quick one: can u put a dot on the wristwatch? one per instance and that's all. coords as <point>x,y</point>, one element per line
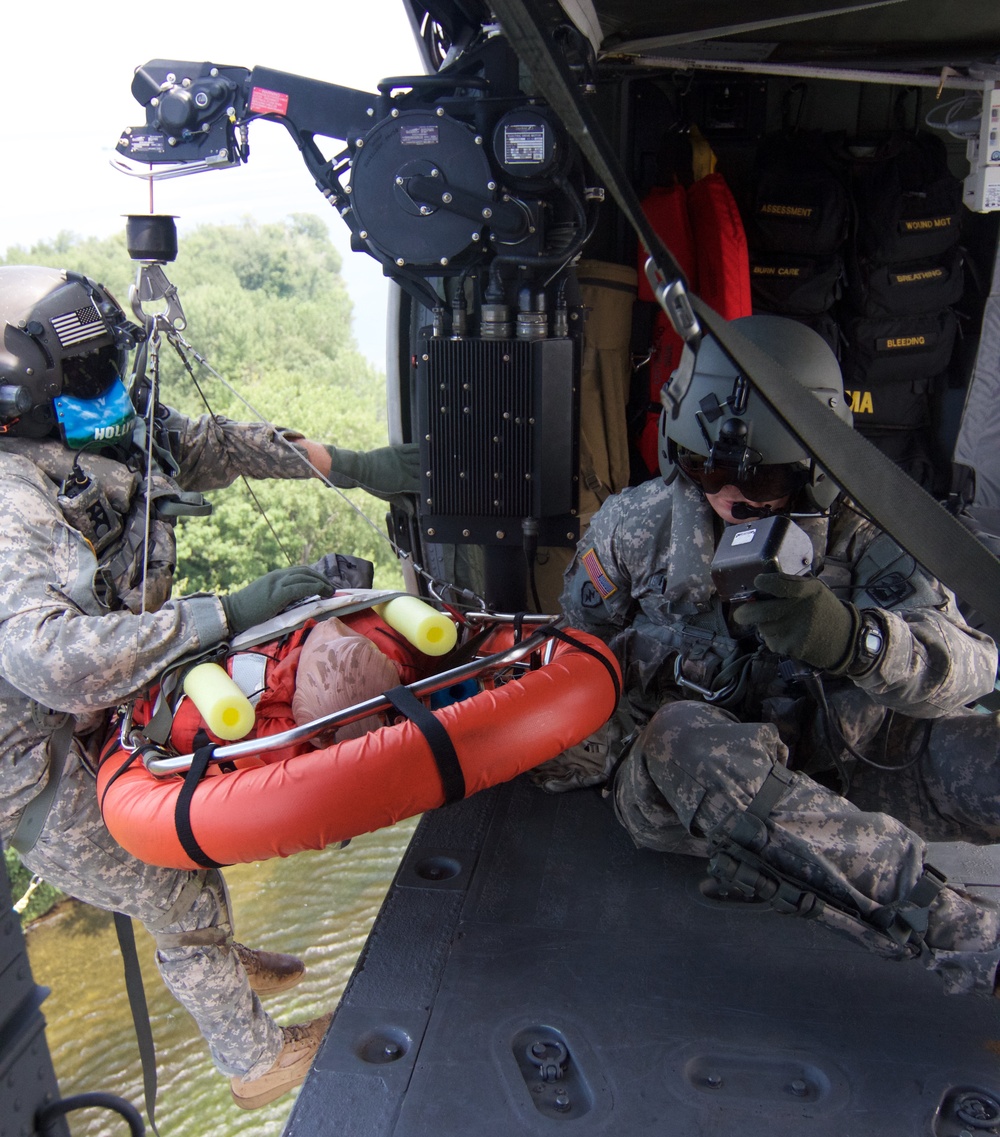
<point>870,644</point>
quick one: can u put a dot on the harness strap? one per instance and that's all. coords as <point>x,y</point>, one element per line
<point>36,812</point>
<point>442,748</point>
<point>182,810</point>
<point>157,730</point>
<point>771,791</point>
<point>161,720</point>
<point>199,937</point>
<point>518,626</point>
<point>753,878</point>
<point>908,918</point>
<point>749,829</point>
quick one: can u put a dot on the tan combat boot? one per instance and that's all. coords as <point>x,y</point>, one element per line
<point>289,1070</point>
<point>269,971</point>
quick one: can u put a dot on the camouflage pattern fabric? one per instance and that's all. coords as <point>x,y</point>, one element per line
<point>707,715</point>
<point>695,768</point>
<point>70,643</point>
<point>76,852</point>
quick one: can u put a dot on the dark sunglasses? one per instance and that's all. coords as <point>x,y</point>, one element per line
<point>759,483</point>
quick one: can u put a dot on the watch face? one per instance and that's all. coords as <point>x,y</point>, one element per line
<point>871,639</point>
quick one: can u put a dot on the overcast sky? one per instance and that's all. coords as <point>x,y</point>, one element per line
<point>66,76</point>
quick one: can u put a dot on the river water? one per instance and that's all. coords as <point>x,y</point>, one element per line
<point>316,905</point>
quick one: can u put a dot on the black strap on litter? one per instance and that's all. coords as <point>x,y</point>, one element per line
<point>896,503</point>
<point>558,634</point>
<point>130,761</point>
<point>518,626</point>
<point>182,810</point>
<point>140,1013</point>
<point>442,749</point>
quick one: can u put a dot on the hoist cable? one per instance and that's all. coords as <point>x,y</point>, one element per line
<point>154,359</point>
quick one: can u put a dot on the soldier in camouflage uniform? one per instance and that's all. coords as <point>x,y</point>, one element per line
<point>747,727</point>
<point>86,623</point>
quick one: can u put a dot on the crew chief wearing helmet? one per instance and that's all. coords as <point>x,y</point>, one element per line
<point>747,731</point>
<point>87,623</point>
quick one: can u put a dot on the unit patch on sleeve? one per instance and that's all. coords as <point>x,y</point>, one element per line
<point>598,577</point>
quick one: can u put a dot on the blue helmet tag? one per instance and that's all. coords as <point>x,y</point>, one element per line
<point>89,424</point>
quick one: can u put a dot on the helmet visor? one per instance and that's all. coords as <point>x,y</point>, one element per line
<point>90,424</point>
<point>758,483</point>
<point>87,376</point>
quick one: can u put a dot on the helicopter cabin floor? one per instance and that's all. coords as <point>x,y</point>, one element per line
<point>531,971</point>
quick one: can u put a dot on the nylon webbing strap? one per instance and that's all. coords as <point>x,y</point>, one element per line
<point>914,912</point>
<point>772,790</point>
<point>249,673</point>
<point>182,810</point>
<point>748,829</point>
<point>127,764</point>
<point>442,749</point>
<point>162,719</point>
<point>36,812</point>
<point>897,504</point>
<point>140,1013</point>
<point>558,634</point>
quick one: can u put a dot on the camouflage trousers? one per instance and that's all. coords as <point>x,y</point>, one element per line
<point>76,853</point>
<point>695,769</point>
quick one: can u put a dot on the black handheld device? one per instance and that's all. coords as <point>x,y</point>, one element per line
<point>768,544</point>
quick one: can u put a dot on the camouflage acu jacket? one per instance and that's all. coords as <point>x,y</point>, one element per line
<point>641,581</point>
<point>70,577</point>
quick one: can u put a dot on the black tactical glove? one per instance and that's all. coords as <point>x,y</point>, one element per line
<point>805,621</point>
<point>270,594</point>
<point>386,471</point>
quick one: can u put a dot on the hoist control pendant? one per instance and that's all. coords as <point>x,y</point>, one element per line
<point>427,629</point>
<point>227,711</point>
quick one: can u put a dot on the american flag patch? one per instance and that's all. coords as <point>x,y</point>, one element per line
<point>598,577</point>
<point>75,327</point>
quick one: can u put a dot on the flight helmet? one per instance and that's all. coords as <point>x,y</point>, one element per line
<point>64,353</point>
<point>716,428</point>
